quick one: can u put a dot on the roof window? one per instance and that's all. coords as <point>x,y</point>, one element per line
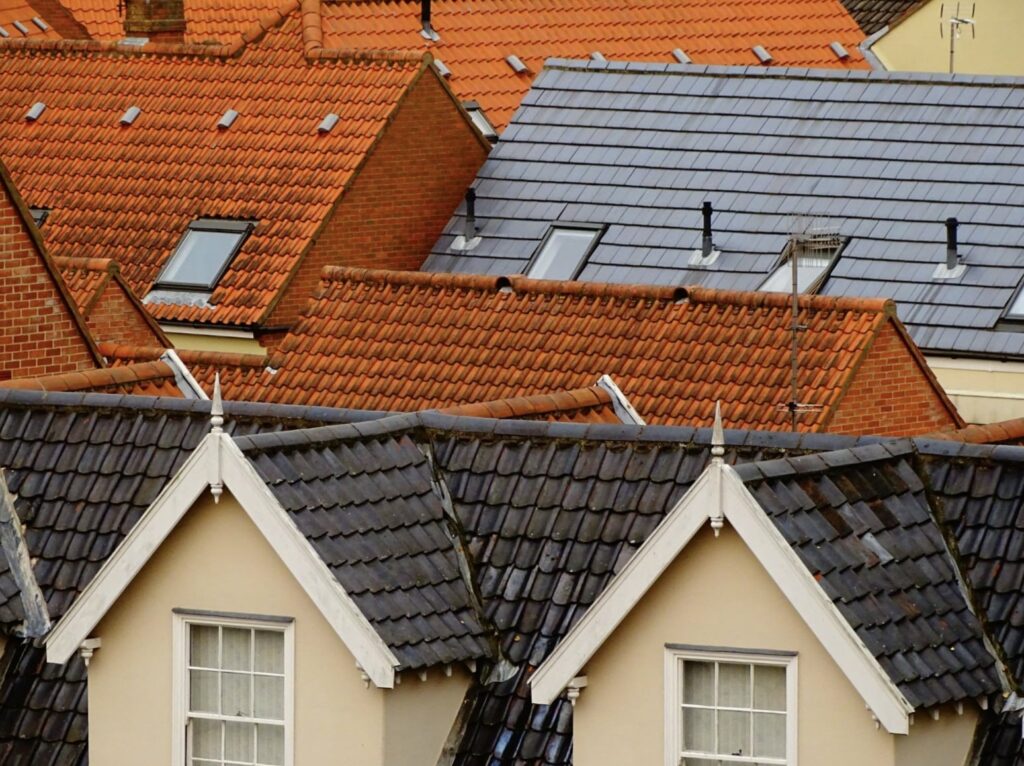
<point>204,253</point>
<point>815,254</point>
<point>1016,309</point>
<point>564,252</point>
<point>476,114</point>
<point>39,215</point>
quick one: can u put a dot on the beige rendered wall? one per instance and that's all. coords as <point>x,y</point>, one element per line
<point>914,43</point>
<point>217,560</point>
<point>715,594</point>
<point>983,391</point>
<point>420,714</point>
<point>942,742</point>
<point>229,345</point>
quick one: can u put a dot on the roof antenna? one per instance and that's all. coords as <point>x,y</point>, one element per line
<point>955,22</point>
<point>427,31</point>
<point>217,408</point>
<point>800,245</point>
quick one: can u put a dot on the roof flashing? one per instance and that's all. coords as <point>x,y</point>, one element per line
<point>442,70</point>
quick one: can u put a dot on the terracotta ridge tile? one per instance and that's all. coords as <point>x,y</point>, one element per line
<point>539,404</point>
<point>124,351</point>
<point>73,263</point>
<point>33,45</point>
<point>411,278</point>
<point>101,378</point>
<point>987,433</point>
<point>784,300</point>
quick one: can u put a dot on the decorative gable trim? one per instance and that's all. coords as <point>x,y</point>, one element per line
<point>219,461</point>
<point>719,493</point>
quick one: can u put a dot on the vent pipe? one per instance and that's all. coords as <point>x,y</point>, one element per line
<point>706,245</point>
<point>470,230</point>
<point>427,31</point>
<point>952,257</point>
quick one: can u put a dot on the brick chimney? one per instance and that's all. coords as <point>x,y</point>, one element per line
<point>162,21</point>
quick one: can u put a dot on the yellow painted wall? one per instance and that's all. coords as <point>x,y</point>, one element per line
<point>983,391</point>
<point>914,43</point>
<point>217,560</point>
<point>717,594</point>
<point>214,343</point>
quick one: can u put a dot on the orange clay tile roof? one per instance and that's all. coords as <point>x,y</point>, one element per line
<point>134,190</point>
<point>143,379</point>
<point>477,35</point>
<point>407,341</point>
<point>237,371</point>
<point>582,405</point>
<point>1003,432</point>
<point>23,12</point>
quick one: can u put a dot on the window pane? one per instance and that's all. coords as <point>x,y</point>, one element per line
<point>699,730</point>
<point>698,762</point>
<point>199,257</point>
<point>238,741</point>
<point>269,651</point>
<point>769,687</point>
<point>1017,309</point>
<point>203,649</point>
<point>809,268</point>
<point>235,693</point>
<point>269,745</point>
<point>205,738</point>
<point>203,691</point>
<point>733,732</point>
<point>235,653</point>
<point>733,685</point>
<point>699,683</point>
<point>770,735</point>
<point>562,254</point>
<point>269,697</point>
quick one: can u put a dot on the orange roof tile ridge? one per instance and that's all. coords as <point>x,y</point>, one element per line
<point>70,262</point>
<point>440,280</point>
<point>986,433</point>
<point>89,379</point>
<point>33,45</point>
<point>125,351</point>
<point>883,306</point>
<point>312,29</point>
<point>538,404</point>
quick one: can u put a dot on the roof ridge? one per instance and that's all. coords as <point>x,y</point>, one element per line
<point>825,460</point>
<point>87,379</point>
<point>793,72</point>
<point>757,299</point>
<point>152,353</point>
<point>107,265</point>
<point>583,398</point>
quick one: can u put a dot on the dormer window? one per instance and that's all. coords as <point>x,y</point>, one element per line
<point>815,255</point>
<point>564,252</point>
<point>204,254</point>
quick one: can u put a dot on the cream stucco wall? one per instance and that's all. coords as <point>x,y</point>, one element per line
<point>914,44</point>
<point>210,342</point>
<point>939,742</point>
<point>420,716</point>
<point>984,391</point>
<point>717,594</point>
<point>217,560</point>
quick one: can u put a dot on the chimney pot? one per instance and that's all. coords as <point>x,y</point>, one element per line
<point>707,246</point>
<point>952,256</point>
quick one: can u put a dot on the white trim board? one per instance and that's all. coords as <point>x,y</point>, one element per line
<point>725,493</point>
<point>160,519</point>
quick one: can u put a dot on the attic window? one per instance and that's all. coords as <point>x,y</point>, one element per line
<point>1016,308</point>
<point>816,253</point>
<point>564,252</point>
<point>476,114</point>
<point>204,253</point>
<point>39,215</point>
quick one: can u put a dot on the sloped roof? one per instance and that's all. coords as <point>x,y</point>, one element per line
<point>592,404</point>
<point>405,341</point>
<point>237,371</point>
<point>133,190</point>
<point>24,12</point>
<point>860,521</point>
<point>881,158</point>
<point>873,15</point>
<point>142,379</point>
<point>477,35</point>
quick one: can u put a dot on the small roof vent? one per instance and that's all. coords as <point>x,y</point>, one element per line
<point>954,265</point>
<point>837,48</point>
<point>130,115</point>
<point>597,56</point>
<point>35,112</point>
<point>227,120</point>
<point>442,70</point>
<point>516,63</point>
<point>136,41</point>
<point>21,28</point>
<point>680,55</point>
<point>762,54</point>
<point>4,32</point>
<point>40,23</point>
<point>327,123</point>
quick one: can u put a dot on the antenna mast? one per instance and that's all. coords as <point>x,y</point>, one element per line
<point>955,22</point>
<point>795,328</point>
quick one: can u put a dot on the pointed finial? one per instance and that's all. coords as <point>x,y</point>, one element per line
<point>216,408</point>
<point>717,434</point>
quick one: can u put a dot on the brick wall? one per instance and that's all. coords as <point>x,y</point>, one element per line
<point>38,335</point>
<point>115,319</point>
<point>891,395</point>
<point>399,203</point>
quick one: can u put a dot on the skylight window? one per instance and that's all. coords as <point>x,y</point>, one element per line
<point>203,254</point>
<point>815,254</point>
<point>1016,310</point>
<point>39,215</point>
<point>564,252</point>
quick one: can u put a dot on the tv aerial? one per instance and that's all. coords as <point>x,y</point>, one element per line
<point>956,24</point>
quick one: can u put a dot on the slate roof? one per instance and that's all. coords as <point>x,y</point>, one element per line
<point>873,15</point>
<point>84,467</point>
<point>475,37</point>
<point>132,191</point>
<point>881,158</point>
<point>406,341</point>
<point>860,521</point>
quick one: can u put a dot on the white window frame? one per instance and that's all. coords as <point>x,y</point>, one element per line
<point>596,232</point>
<point>181,620</point>
<point>676,653</point>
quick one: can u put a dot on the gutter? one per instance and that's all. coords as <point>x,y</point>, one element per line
<point>869,55</point>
